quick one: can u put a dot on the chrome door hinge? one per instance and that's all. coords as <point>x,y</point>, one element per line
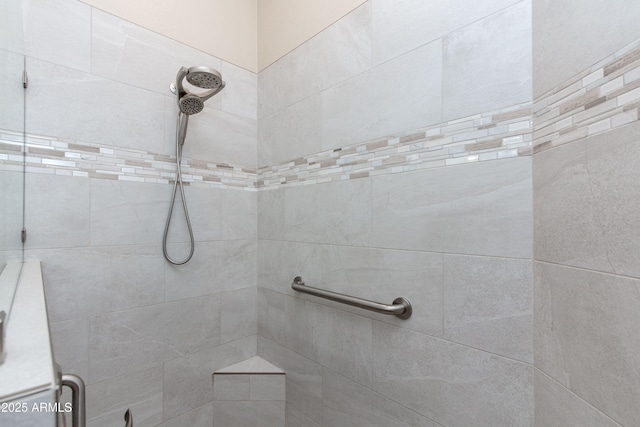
<point>23,235</point>
<point>25,79</point>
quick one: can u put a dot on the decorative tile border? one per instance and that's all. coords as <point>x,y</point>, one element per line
<point>71,158</point>
<point>598,99</point>
<point>494,135</point>
<point>489,136</point>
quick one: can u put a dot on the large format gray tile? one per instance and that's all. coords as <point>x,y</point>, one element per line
<point>272,315</point>
<point>346,403</point>
<point>267,387</point>
<point>555,406</point>
<point>70,342</point>
<point>12,27</point>
<point>12,107</point>
<point>339,52</point>
<point>290,133</point>
<point>56,211</point>
<point>401,94</point>
<point>139,391</point>
<point>240,95</point>
<point>92,281</point>
<point>338,213</point>
<point>188,382</point>
<point>238,314</point>
<point>585,336</point>
<point>49,37</point>
<point>230,387</point>
<point>303,379</point>
<point>213,135</point>
<point>477,209</point>
<point>131,54</point>
<point>270,205</point>
<point>487,65</point>
<point>11,210</point>
<point>452,384</point>
<point>570,36</point>
<point>330,337</point>
<point>248,414</point>
<point>295,418</point>
<point>280,261</point>
<point>199,417</point>
<point>586,202</point>
<point>129,340</point>
<point>215,267</point>
<point>124,212</point>
<point>239,214</point>
<point>96,110</point>
<point>402,25</point>
<point>488,304</point>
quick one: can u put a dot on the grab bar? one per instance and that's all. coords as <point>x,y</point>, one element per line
<point>76,385</point>
<point>401,307</point>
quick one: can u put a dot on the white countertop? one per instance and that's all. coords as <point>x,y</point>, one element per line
<point>28,363</point>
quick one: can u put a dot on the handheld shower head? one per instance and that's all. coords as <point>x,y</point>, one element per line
<point>190,104</point>
<point>204,77</point>
<point>199,76</point>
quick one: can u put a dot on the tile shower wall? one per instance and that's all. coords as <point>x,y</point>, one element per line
<point>454,237</point>
<point>586,273</point>
<point>143,334</point>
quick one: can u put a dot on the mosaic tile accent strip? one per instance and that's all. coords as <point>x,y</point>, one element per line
<point>71,158</point>
<point>489,136</point>
<point>601,98</point>
<point>494,135</point>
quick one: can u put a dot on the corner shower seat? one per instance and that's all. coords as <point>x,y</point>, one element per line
<point>249,393</point>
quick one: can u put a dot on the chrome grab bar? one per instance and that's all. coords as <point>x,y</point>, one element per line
<point>76,385</point>
<point>401,307</point>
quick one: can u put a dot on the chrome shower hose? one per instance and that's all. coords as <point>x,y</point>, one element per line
<point>181,131</point>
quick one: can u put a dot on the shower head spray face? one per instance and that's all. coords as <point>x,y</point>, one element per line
<point>204,77</point>
<point>191,104</point>
<point>199,76</point>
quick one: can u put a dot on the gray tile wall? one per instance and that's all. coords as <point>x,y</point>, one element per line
<point>569,36</point>
<point>405,65</point>
<point>456,241</point>
<point>11,118</point>
<point>245,400</point>
<point>143,334</point>
<point>586,272</point>
<point>586,276</point>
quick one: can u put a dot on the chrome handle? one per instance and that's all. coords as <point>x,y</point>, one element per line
<point>78,399</point>
<point>128,418</point>
<point>401,307</point>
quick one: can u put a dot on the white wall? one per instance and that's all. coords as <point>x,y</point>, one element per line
<point>225,29</point>
<point>249,33</point>
<point>285,24</point>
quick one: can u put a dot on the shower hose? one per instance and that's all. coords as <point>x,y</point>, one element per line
<point>181,131</point>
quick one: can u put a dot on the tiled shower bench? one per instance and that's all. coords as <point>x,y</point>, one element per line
<point>249,394</point>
